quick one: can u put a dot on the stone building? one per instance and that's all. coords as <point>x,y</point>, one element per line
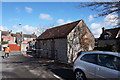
<point>62,43</point>
<point>109,37</point>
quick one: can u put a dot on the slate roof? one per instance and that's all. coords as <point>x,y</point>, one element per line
<point>5,33</point>
<point>59,32</point>
<point>24,35</point>
<point>112,33</point>
<point>30,35</point>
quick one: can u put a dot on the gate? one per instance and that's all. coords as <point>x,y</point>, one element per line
<point>14,47</point>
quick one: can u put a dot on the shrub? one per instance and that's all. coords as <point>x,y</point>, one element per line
<point>4,42</point>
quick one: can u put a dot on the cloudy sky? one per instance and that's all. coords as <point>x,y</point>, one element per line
<point>44,15</point>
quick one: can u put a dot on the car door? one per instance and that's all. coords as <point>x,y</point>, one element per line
<point>107,66</point>
<point>88,62</point>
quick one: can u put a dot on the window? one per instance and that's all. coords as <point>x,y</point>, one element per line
<point>106,36</point>
<point>92,58</point>
<point>109,61</point>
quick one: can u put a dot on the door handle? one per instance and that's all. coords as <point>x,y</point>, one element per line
<point>98,69</point>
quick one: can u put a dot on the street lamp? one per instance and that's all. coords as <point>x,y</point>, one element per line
<point>0,40</point>
<point>21,36</point>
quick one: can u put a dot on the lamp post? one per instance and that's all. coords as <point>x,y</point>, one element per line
<point>22,37</point>
<point>0,40</point>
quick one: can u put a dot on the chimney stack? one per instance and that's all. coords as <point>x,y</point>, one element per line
<point>21,32</point>
<point>103,29</point>
<point>33,33</point>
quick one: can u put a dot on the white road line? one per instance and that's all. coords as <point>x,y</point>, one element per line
<point>57,77</point>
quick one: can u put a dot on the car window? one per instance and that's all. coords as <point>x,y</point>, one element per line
<point>118,63</point>
<point>92,58</point>
<point>109,61</point>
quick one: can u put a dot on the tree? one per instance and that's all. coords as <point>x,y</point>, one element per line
<point>104,9</point>
<point>41,28</point>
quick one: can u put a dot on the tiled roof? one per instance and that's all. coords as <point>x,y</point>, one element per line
<point>59,32</point>
<point>5,33</point>
<point>112,32</point>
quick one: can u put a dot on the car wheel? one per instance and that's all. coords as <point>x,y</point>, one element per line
<point>79,75</point>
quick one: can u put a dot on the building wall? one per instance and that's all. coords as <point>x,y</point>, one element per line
<point>61,50</point>
<point>53,49</point>
<point>79,39</point>
<point>28,39</point>
<point>102,43</point>
<point>23,47</point>
<point>43,48</point>
<point>10,39</point>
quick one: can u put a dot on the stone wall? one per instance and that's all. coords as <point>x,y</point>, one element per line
<point>79,39</point>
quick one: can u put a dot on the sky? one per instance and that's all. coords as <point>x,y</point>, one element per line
<point>39,16</point>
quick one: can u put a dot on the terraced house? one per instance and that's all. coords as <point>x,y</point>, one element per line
<point>62,43</point>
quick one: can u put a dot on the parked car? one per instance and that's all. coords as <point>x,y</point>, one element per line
<point>97,64</point>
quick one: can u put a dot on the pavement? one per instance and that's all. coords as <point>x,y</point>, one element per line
<point>23,66</point>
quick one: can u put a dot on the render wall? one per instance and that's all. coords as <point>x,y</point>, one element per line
<point>79,39</point>
<point>43,48</point>
<point>53,49</point>
<point>61,50</point>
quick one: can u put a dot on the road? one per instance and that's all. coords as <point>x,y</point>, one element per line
<point>19,66</point>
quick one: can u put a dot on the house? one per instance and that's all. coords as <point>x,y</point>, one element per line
<point>62,43</point>
<point>15,40</point>
<point>109,37</point>
<point>26,39</point>
<point>7,37</point>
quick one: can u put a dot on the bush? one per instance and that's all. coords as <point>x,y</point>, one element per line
<point>4,42</point>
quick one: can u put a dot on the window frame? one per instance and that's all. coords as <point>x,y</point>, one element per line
<point>96,60</point>
<point>107,66</point>
<point>106,36</point>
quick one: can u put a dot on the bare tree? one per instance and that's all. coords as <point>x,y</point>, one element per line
<point>41,28</point>
<point>103,8</point>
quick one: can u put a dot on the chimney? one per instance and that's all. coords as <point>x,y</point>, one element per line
<point>21,32</point>
<point>103,29</point>
<point>34,33</point>
<point>10,31</point>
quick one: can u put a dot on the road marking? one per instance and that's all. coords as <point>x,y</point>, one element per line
<point>57,77</point>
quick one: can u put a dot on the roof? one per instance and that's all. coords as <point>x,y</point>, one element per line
<point>102,52</point>
<point>112,32</point>
<point>5,33</point>
<point>16,35</point>
<point>29,35</point>
<point>59,32</point>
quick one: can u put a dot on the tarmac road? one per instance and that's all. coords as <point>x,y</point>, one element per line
<point>19,66</point>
